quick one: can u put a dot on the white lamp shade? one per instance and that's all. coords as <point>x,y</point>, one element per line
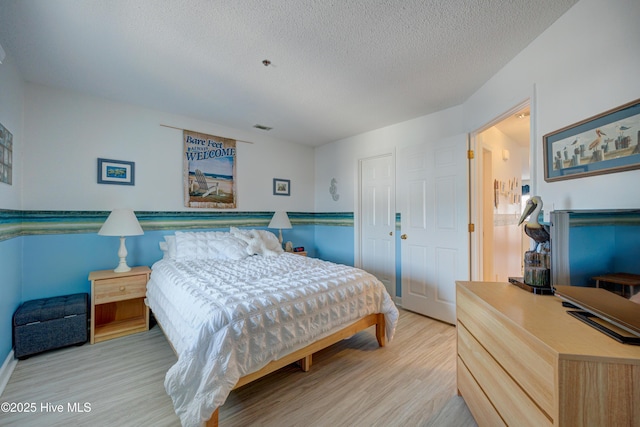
<point>121,222</point>
<point>280,220</point>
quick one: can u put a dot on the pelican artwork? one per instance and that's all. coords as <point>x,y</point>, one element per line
<point>596,141</point>
<point>532,228</point>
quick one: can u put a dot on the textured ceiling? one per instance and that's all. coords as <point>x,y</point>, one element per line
<point>338,67</point>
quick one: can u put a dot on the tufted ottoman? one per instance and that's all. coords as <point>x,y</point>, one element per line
<point>48,323</point>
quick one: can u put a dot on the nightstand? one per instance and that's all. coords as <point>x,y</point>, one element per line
<point>117,303</point>
<point>303,253</point>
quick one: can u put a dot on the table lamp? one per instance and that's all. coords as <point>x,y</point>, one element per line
<point>280,220</point>
<point>121,222</point>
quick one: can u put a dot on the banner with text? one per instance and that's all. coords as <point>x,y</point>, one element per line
<point>209,171</point>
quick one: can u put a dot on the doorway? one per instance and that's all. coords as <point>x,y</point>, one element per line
<point>498,176</point>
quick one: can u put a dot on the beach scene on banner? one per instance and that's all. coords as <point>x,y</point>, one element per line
<point>209,171</point>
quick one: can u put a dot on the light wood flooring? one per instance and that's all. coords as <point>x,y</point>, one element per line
<point>411,382</point>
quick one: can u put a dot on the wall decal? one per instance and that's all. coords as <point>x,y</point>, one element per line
<point>333,190</point>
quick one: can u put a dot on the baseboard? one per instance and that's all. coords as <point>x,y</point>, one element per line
<point>7,369</point>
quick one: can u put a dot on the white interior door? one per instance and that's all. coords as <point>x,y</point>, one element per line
<point>377,219</point>
<point>433,190</point>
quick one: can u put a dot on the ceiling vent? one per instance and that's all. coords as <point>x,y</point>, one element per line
<point>262,127</point>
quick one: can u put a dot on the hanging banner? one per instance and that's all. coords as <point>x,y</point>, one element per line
<point>209,171</point>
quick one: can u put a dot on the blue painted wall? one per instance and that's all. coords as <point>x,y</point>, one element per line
<point>335,243</point>
<point>10,290</point>
<point>44,254</point>
<point>596,250</point>
<point>49,253</point>
<point>60,264</point>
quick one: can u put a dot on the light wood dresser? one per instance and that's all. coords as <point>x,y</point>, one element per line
<point>523,361</point>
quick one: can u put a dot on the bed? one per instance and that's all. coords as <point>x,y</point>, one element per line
<point>235,307</point>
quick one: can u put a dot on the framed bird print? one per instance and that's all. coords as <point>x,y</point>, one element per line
<point>606,143</point>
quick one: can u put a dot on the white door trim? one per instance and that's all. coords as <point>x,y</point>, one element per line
<point>475,173</point>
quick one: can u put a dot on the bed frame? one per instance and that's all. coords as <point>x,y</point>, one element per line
<point>303,356</point>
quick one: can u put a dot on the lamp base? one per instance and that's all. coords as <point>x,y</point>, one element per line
<point>122,254</point>
<point>122,267</point>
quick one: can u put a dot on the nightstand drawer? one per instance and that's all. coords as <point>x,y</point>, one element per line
<point>118,289</point>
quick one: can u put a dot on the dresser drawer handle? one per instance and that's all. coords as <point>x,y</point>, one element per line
<point>122,288</point>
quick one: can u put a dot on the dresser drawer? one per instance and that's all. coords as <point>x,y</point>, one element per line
<point>118,289</point>
<point>479,404</point>
<point>506,396</point>
<point>529,362</point>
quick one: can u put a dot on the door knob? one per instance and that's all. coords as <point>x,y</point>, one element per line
<point>391,233</point>
<point>403,237</point>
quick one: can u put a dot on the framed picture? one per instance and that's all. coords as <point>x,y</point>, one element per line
<point>606,143</point>
<point>116,172</point>
<point>281,187</point>
<point>6,155</point>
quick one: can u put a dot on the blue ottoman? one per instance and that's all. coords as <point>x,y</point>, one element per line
<point>48,323</point>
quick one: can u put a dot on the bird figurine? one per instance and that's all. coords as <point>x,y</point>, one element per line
<point>532,228</point>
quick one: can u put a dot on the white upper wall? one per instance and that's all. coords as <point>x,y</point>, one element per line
<point>339,159</point>
<point>67,132</point>
<point>11,117</point>
<point>587,62</point>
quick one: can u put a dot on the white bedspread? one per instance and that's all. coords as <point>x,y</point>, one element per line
<point>227,319</point>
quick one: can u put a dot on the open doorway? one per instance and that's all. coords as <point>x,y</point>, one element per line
<point>500,177</point>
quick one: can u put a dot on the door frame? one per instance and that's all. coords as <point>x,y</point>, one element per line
<point>357,217</point>
<point>475,181</point>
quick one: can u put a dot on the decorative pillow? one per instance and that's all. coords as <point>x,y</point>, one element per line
<point>230,247</point>
<point>259,242</point>
<point>270,244</point>
<point>171,246</point>
<point>200,245</point>
<point>165,250</point>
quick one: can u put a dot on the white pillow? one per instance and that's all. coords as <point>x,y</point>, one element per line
<point>164,249</point>
<point>270,244</point>
<point>171,246</point>
<point>199,245</point>
<point>230,247</point>
<point>259,242</point>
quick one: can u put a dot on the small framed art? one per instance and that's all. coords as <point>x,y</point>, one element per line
<point>116,172</point>
<point>281,187</point>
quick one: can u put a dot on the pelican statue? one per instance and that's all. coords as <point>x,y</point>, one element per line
<point>532,228</point>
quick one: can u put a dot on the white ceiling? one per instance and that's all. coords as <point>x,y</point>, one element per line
<point>338,67</point>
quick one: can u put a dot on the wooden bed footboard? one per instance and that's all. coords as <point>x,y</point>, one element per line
<point>303,356</point>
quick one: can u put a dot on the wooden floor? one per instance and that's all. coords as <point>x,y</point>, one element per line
<point>411,382</point>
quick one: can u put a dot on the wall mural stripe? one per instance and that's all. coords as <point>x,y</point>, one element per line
<point>25,223</point>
